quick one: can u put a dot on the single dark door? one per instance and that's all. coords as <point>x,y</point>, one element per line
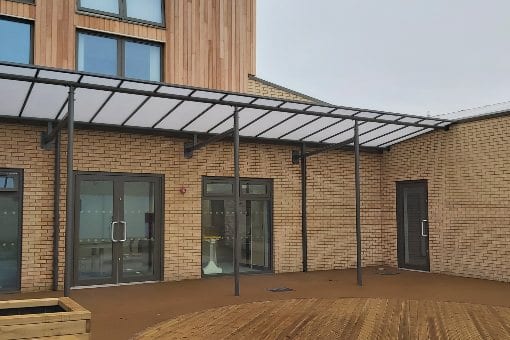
<point>118,229</point>
<point>413,225</point>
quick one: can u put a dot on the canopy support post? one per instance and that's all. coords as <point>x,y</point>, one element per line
<point>237,189</point>
<point>56,212</point>
<point>304,232</point>
<point>358,204</point>
<point>70,196</point>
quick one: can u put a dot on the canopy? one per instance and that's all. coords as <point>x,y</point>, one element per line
<point>37,93</point>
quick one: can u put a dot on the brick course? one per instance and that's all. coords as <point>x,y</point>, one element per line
<point>468,175</point>
<point>466,168</point>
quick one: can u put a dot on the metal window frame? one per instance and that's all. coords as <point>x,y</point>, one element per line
<point>30,24</point>
<point>159,207</point>
<point>19,195</point>
<point>121,53</point>
<point>267,198</point>
<point>400,186</point>
<point>122,15</point>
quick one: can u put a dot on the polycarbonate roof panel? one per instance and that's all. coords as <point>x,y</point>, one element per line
<point>12,96</point>
<point>246,116</point>
<point>311,127</point>
<point>182,115</point>
<point>45,101</point>
<point>216,114</point>
<point>287,126</point>
<point>42,93</point>
<point>87,102</point>
<point>118,108</point>
<point>330,131</point>
<point>267,121</point>
<point>151,112</point>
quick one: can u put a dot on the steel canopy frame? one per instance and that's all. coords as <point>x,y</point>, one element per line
<point>36,94</point>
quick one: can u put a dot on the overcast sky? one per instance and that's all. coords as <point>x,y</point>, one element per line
<point>409,56</point>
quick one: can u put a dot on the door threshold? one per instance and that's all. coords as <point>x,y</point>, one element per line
<point>414,270</point>
<point>113,285</point>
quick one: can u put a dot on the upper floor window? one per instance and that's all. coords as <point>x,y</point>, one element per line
<point>15,41</point>
<point>119,56</point>
<point>149,11</point>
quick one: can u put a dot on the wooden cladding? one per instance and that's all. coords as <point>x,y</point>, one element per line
<point>208,43</point>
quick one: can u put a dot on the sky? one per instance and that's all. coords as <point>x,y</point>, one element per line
<point>424,57</point>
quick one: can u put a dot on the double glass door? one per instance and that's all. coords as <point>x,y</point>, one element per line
<point>118,228</point>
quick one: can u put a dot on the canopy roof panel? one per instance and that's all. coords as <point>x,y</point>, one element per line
<point>30,92</point>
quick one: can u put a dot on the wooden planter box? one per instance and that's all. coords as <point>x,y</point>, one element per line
<point>57,318</point>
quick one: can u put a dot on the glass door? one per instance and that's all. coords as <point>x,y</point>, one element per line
<point>413,230</point>
<point>218,226</point>
<point>10,229</point>
<point>139,220</point>
<point>118,229</point>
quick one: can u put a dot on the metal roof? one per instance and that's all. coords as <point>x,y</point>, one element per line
<point>30,92</point>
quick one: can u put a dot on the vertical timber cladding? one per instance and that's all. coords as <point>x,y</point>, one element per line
<point>207,43</point>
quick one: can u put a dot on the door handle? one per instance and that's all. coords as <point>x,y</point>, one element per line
<point>113,229</point>
<point>423,228</point>
<point>125,231</point>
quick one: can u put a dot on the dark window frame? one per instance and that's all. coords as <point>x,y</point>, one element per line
<point>122,15</point>
<point>121,55</point>
<point>242,197</point>
<point>30,23</point>
<point>257,181</point>
<point>19,193</point>
<point>117,177</point>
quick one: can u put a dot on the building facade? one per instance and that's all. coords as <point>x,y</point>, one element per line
<point>437,202</point>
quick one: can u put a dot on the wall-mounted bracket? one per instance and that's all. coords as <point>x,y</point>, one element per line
<point>47,138</point>
<point>190,147</point>
<point>297,155</point>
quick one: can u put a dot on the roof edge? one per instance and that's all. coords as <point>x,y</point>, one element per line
<point>286,89</point>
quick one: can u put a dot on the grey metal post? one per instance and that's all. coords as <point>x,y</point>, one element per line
<point>70,195</point>
<point>237,189</point>
<point>56,212</point>
<point>358,203</point>
<point>304,232</point>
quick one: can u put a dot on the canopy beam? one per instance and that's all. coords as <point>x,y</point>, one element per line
<point>189,148</point>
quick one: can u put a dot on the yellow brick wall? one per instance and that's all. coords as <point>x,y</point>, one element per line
<point>468,173</point>
<point>466,169</point>
<point>331,225</point>
<point>19,148</point>
<point>262,89</point>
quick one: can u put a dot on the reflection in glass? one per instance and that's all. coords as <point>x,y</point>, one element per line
<point>255,248</point>
<point>219,188</point>
<point>15,41</point>
<point>138,249</point>
<point>95,220</point>
<point>142,61</point>
<point>218,236</point>
<point>108,6</point>
<point>9,234</point>
<point>97,54</point>
<point>147,10</point>
<point>7,182</point>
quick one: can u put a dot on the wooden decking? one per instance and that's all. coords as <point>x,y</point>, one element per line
<point>347,318</point>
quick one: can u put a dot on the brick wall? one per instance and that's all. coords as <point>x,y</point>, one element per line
<point>19,148</point>
<point>331,208</point>
<point>466,169</point>
<point>468,173</point>
<point>261,88</point>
